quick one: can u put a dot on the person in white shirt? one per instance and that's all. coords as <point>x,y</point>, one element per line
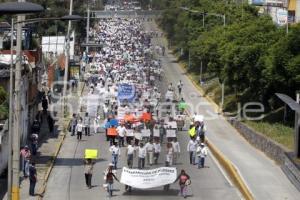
<point>157,150</point>
<point>79,129</point>
<point>201,153</point>
<point>191,148</point>
<point>130,152</point>
<point>121,130</point>
<point>115,153</point>
<point>169,154</point>
<point>176,148</point>
<point>142,155</point>
<point>150,152</point>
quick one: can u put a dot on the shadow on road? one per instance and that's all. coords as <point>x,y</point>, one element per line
<point>74,161</point>
<point>157,192</point>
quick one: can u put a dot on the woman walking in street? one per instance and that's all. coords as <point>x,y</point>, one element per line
<point>184,181</point>
<point>109,177</point>
<point>88,172</point>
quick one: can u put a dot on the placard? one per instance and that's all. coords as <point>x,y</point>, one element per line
<point>146,133</point>
<point>91,154</point>
<point>156,133</point>
<point>171,133</point>
<point>129,133</point>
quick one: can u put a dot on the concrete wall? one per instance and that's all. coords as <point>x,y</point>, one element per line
<point>268,146</point>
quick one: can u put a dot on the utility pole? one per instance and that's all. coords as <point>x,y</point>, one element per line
<point>10,120</point>
<point>66,71</point>
<point>87,26</point>
<point>17,114</point>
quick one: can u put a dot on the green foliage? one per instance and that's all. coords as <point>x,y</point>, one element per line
<point>3,104</point>
<point>254,57</point>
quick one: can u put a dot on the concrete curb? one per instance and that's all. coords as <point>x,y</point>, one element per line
<point>231,171</point>
<point>43,188</point>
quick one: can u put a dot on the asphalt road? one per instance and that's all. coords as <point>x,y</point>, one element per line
<point>67,182</point>
<point>67,178</point>
<point>263,176</point>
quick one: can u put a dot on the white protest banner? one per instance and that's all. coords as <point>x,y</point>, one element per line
<point>144,179</point>
<point>171,133</point>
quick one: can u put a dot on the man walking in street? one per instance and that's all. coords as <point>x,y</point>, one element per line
<point>157,150</point>
<point>79,129</point>
<point>191,148</point>
<point>73,124</point>
<point>150,151</point>
<point>88,172</point>
<point>130,152</point>
<point>32,179</point>
<point>115,153</point>
<point>201,154</point>
<point>142,155</point>
<point>121,134</point>
<point>86,123</point>
<point>176,148</point>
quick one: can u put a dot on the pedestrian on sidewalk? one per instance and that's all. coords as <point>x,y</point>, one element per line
<point>184,181</point>
<point>79,129</point>
<point>26,155</point>
<point>157,150</point>
<point>36,127</point>
<point>50,123</point>
<point>45,104</point>
<point>73,124</point>
<point>176,148</point>
<point>32,179</point>
<point>34,143</point>
<point>87,123</point>
<point>191,148</point>
<point>142,155</point>
<point>201,154</point>
<point>115,153</point>
<point>88,172</point>
<point>150,152</point>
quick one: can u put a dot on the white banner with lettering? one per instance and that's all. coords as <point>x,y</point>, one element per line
<point>144,179</point>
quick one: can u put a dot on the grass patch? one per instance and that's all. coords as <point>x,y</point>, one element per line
<point>282,134</point>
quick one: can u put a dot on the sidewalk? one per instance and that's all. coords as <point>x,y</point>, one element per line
<point>48,145</point>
